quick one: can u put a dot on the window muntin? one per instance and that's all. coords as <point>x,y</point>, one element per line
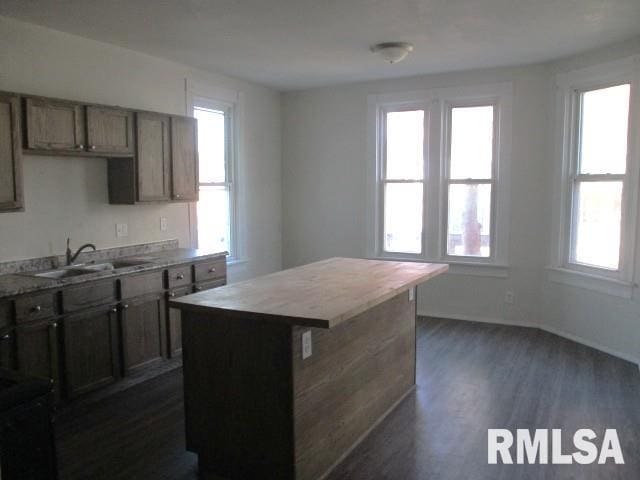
<point>403,180</point>
<point>598,176</point>
<point>469,183</point>
<point>215,204</point>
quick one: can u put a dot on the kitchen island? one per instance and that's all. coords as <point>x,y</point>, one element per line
<point>284,374</point>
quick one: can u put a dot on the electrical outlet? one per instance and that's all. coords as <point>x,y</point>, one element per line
<point>508,297</point>
<point>122,230</point>
<point>306,344</point>
<point>163,224</point>
<point>412,294</point>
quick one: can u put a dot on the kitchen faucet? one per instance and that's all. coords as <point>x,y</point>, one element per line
<point>71,257</point>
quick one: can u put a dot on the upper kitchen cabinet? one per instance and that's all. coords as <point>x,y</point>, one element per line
<point>10,154</point>
<point>54,125</point>
<point>110,131</point>
<point>184,159</point>
<point>153,157</point>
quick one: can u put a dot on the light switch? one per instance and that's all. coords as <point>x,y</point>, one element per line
<point>122,230</point>
<point>412,294</point>
<point>163,224</point>
<point>306,344</point>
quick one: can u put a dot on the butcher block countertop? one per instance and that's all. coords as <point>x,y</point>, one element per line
<point>321,294</point>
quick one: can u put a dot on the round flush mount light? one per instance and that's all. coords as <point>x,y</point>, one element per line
<point>392,52</point>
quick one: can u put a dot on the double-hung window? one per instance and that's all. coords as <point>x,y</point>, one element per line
<point>402,185</point>
<point>441,175</point>
<point>469,180</point>
<point>215,209</point>
<point>595,228</point>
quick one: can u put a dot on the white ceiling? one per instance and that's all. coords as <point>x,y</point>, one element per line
<point>293,44</point>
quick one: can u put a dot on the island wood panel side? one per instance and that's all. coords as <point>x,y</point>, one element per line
<point>358,371</point>
<point>238,396</point>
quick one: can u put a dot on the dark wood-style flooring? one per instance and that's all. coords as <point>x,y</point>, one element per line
<point>470,377</point>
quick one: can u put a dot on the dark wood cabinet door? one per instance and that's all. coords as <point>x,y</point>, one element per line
<point>153,157</point>
<point>143,331</point>
<point>37,349</point>
<point>91,350</point>
<point>55,125</point>
<point>174,324</point>
<point>8,350</point>
<point>11,195</point>
<point>184,159</point>
<point>110,131</point>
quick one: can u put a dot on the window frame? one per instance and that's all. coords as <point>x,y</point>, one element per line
<point>382,181</point>
<point>435,207</point>
<point>447,181</point>
<point>229,110</point>
<point>564,268</point>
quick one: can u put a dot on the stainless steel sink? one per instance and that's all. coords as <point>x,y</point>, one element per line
<point>115,265</point>
<point>61,273</point>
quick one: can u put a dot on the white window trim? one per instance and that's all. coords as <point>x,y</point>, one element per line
<point>620,282</point>
<point>231,102</point>
<point>435,102</point>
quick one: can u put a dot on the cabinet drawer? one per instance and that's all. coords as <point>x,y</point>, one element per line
<point>179,276</point>
<point>35,307</point>
<point>89,295</point>
<point>178,292</point>
<point>201,287</point>
<point>143,284</point>
<point>211,270</point>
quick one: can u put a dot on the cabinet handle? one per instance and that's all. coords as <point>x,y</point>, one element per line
<point>125,306</point>
<point>197,289</point>
<point>80,147</point>
<point>36,309</point>
<point>172,294</point>
<point>6,336</point>
<point>180,276</point>
<point>212,270</point>
<point>54,324</point>
<point>114,310</point>
<point>177,195</point>
<point>92,147</point>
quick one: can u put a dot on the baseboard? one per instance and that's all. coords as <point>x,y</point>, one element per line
<point>546,328</point>
<point>476,318</point>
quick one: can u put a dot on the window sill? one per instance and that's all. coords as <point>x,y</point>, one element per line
<point>596,283</point>
<point>472,269</point>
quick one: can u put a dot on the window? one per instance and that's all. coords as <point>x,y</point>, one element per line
<point>402,183</point>
<point>441,170</point>
<point>216,202</point>
<point>595,227</point>
<point>599,176</point>
<point>470,180</point>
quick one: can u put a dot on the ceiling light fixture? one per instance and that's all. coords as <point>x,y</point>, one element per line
<point>392,52</point>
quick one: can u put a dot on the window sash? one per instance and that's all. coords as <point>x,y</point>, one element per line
<point>383,181</point>
<point>448,125</point>
<point>575,178</point>
<point>228,111</point>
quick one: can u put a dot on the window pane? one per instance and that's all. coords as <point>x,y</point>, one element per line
<point>214,223</point>
<point>404,137</point>
<point>603,133</point>
<point>403,217</point>
<point>598,214</point>
<point>471,142</point>
<point>211,145</point>
<point>469,223</point>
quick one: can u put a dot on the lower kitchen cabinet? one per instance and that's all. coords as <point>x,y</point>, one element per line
<point>37,349</point>
<point>91,350</point>
<point>8,350</point>
<point>143,331</point>
<point>174,327</point>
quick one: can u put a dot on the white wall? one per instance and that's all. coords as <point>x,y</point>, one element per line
<point>68,196</point>
<point>324,203</point>
<point>324,188</point>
